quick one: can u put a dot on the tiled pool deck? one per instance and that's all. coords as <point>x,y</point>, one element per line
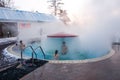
<point>108,69</point>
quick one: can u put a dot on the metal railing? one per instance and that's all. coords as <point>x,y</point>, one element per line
<point>39,47</point>
<point>33,52</point>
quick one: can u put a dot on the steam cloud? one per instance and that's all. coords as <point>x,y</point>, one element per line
<point>97,24</point>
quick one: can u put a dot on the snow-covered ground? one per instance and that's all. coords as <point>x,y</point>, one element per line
<point>7,56</point>
<point>7,40</point>
<point>10,57</point>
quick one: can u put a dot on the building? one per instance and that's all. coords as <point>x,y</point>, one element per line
<point>26,25</point>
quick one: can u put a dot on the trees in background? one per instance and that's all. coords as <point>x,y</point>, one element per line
<point>56,7</point>
<point>5,3</point>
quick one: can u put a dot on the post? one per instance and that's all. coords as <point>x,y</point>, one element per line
<point>21,56</point>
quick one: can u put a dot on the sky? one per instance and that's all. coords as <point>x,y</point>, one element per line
<point>31,5</point>
<point>73,7</point>
<point>42,5</point>
<point>84,11</point>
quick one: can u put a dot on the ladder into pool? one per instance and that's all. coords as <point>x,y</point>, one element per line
<point>33,52</point>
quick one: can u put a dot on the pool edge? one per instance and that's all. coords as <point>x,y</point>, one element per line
<point>110,54</point>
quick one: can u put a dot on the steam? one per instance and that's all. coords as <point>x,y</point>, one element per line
<point>38,31</point>
<point>97,24</point>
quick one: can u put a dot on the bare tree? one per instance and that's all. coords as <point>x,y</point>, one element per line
<point>56,7</point>
<point>63,16</point>
<point>5,3</point>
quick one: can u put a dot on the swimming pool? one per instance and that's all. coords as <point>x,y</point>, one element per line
<point>49,54</point>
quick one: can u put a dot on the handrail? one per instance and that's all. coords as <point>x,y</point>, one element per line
<point>41,50</point>
<point>32,52</point>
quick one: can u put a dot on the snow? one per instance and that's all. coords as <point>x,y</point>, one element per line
<point>7,40</point>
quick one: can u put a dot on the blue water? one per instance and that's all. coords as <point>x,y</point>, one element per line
<point>49,55</point>
<point>69,56</point>
<point>74,53</point>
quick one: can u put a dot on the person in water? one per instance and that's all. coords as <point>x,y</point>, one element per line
<point>22,45</point>
<point>64,48</point>
<point>56,55</point>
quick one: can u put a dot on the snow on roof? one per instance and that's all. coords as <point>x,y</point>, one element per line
<point>7,14</point>
<point>61,35</point>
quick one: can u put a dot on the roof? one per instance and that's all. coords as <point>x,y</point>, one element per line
<point>7,14</point>
<point>61,35</point>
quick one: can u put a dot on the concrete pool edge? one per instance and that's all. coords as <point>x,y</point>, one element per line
<point>10,52</point>
<point>110,54</point>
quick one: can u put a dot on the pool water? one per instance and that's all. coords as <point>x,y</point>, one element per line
<point>68,56</point>
<point>49,55</point>
<point>73,53</point>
